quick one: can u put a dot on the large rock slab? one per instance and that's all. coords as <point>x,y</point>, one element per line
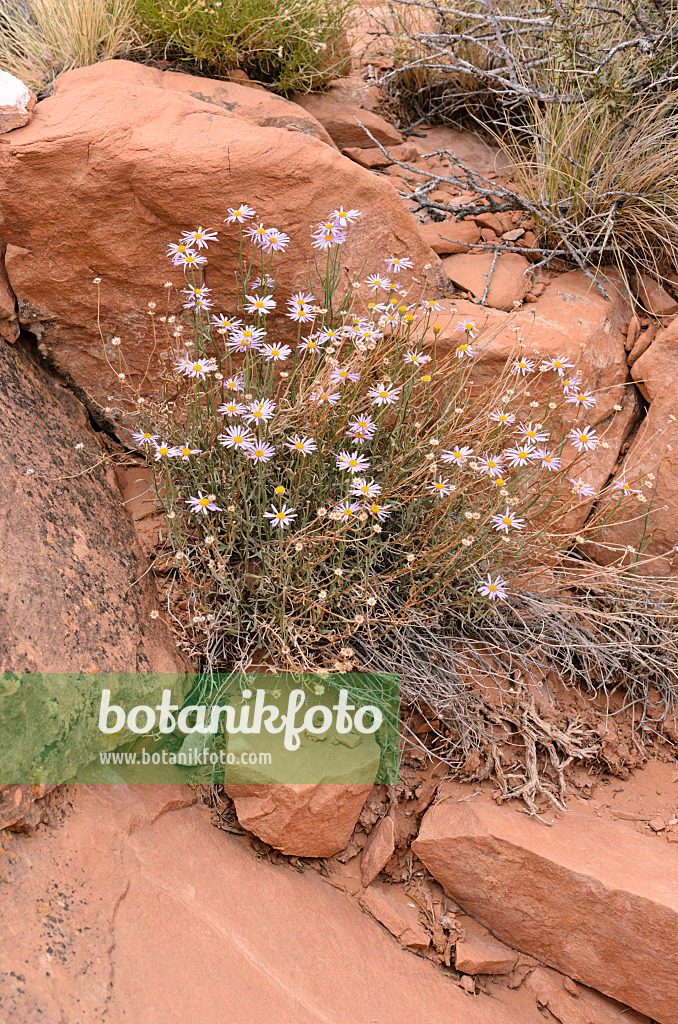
<point>102,920</point>
<point>76,599</point>
<point>75,595</point>
<point>240,101</point>
<point>588,897</point>
<point>111,169</point>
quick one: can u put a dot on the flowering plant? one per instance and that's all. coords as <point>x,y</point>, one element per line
<point>333,485</point>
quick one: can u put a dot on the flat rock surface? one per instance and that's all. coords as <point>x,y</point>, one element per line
<point>508,276</point>
<point>134,907</point>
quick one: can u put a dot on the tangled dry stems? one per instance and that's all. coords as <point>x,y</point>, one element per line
<point>456,56</point>
<point>580,97</point>
<point>609,636</point>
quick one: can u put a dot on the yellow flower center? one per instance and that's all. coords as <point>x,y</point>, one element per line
<point>280,515</point>
<point>352,462</point>
<point>280,490</point>
<point>583,438</point>
<point>204,502</point>
<point>491,464</point>
<point>258,452</point>
<point>299,445</point>
<point>506,520</point>
<point>197,367</point>
<point>374,509</point>
<point>492,587</point>
<point>237,439</point>
<point>185,451</point>
<point>163,451</point>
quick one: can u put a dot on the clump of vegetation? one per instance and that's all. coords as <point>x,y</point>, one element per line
<point>491,56</point>
<point>581,97</point>
<point>353,502</point>
<point>39,39</point>
<point>613,179</point>
<point>291,45</point>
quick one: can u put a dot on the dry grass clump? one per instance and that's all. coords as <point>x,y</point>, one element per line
<point>613,179</point>
<point>39,39</point>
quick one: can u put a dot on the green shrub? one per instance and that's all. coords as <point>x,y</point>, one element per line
<point>291,45</point>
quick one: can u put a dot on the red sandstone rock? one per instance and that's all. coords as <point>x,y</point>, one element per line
<point>122,166</point>
<point>391,908</point>
<point>478,956</point>
<point>304,820</point>
<point>654,450</point>
<point>574,1008</point>
<point>377,850</point>
<point>16,102</point>
<point>75,594</point>
<point>23,808</point>
<point>653,297</point>
<point>585,896</point>
<point>369,158</point>
<point>450,236</point>
<point>473,151</point>
<point>510,281</point>
<point>115,911</point>
<point>238,101</point>
<point>340,119</point>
